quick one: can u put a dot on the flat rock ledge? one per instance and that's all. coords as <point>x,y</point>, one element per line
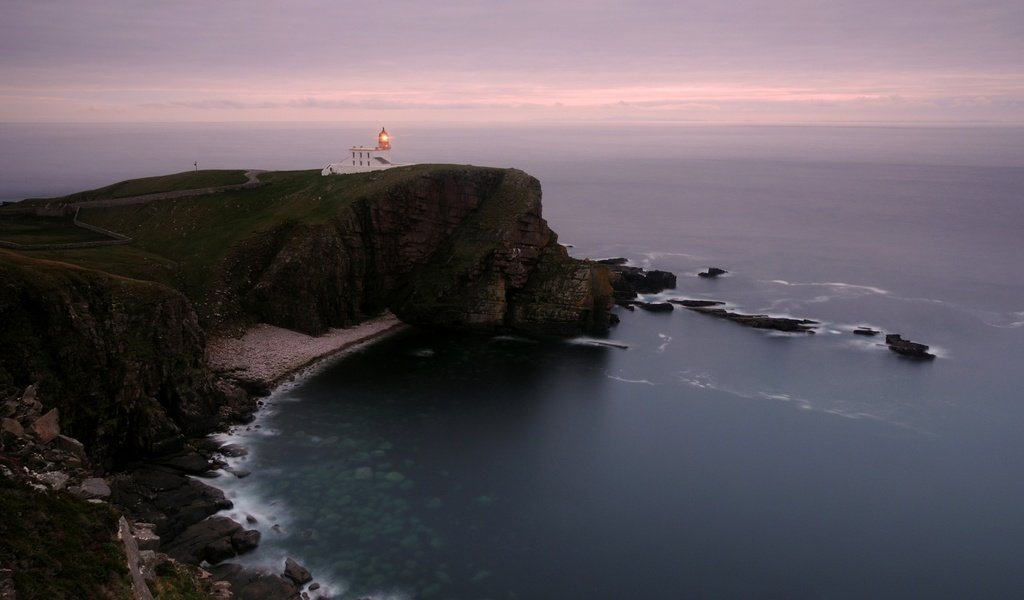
<point>785,324</point>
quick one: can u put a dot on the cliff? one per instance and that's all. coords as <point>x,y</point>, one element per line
<point>454,248</point>
<point>115,337</point>
<point>121,359</point>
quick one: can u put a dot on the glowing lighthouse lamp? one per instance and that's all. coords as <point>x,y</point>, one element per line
<point>362,158</point>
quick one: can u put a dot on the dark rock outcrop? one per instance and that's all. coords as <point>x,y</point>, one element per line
<point>712,272</point>
<point>903,347</point>
<point>865,331</point>
<point>761,321</point>
<point>170,500</point>
<point>695,303</point>
<point>297,573</point>
<point>629,282</point>
<point>214,540</point>
<point>248,584</point>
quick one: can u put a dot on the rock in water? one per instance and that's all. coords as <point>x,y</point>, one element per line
<point>712,272</point>
<point>897,344</point>
<point>656,306</point>
<point>865,331</point>
<point>296,572</point>
<point>761,321</point>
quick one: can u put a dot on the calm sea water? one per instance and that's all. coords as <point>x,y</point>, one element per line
<point>703,460</point>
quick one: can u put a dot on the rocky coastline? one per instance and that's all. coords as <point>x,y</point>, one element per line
<point>171,509</point>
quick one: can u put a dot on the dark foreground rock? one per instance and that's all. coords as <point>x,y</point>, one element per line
<point>214,540</point>
<point>903,347</point>
<point>170,500</point>
<point>251,584</point>
<point>761,321</point>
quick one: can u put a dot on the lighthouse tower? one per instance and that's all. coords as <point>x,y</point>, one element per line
<point>364,158</point>
<point>383,140</point>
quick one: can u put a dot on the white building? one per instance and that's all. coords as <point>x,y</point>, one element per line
<point>362,159</point>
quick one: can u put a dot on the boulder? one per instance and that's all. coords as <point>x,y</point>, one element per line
<point>12,427</point>
<point>188,461</point>
<point>297,573</point>
<point>55,480</point>
<point>245,541</point>
<point>47,426</point>
<point>145,536</point>
<point>69,445</point>
<point>865,331</point>
<point>94,487</point>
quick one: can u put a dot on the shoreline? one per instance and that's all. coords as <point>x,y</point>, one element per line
<point>267,355</point>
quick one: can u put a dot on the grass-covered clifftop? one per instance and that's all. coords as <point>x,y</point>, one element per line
<point>338,248</point>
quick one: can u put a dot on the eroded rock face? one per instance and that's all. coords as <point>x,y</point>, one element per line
<point>454,248</point>
<point>121,360</point>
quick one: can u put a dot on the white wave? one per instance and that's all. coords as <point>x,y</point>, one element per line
<point>1014,320</point>
<point>586,341</point>
<point>624,380</point>
<point>838,285</point>
<point>513,338</point>
<point>837,408</point>
<point>664,344</point>
<point>650,257</point>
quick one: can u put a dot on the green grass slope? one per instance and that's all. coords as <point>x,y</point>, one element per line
<point>187,180</point>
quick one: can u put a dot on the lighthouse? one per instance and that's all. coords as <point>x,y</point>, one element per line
<point>361,159</point>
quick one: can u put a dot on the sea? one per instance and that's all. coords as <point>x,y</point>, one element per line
<point>678,456</point>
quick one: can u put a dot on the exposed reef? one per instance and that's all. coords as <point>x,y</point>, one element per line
<point>760,321</point>
<point>903,347</point>
<point>712,272</point>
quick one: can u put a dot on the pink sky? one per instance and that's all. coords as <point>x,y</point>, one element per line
<point>740,61</point>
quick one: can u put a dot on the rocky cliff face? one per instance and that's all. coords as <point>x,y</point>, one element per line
<point>121,359</point>
<point>454,248</point>
<point>448,247</point>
